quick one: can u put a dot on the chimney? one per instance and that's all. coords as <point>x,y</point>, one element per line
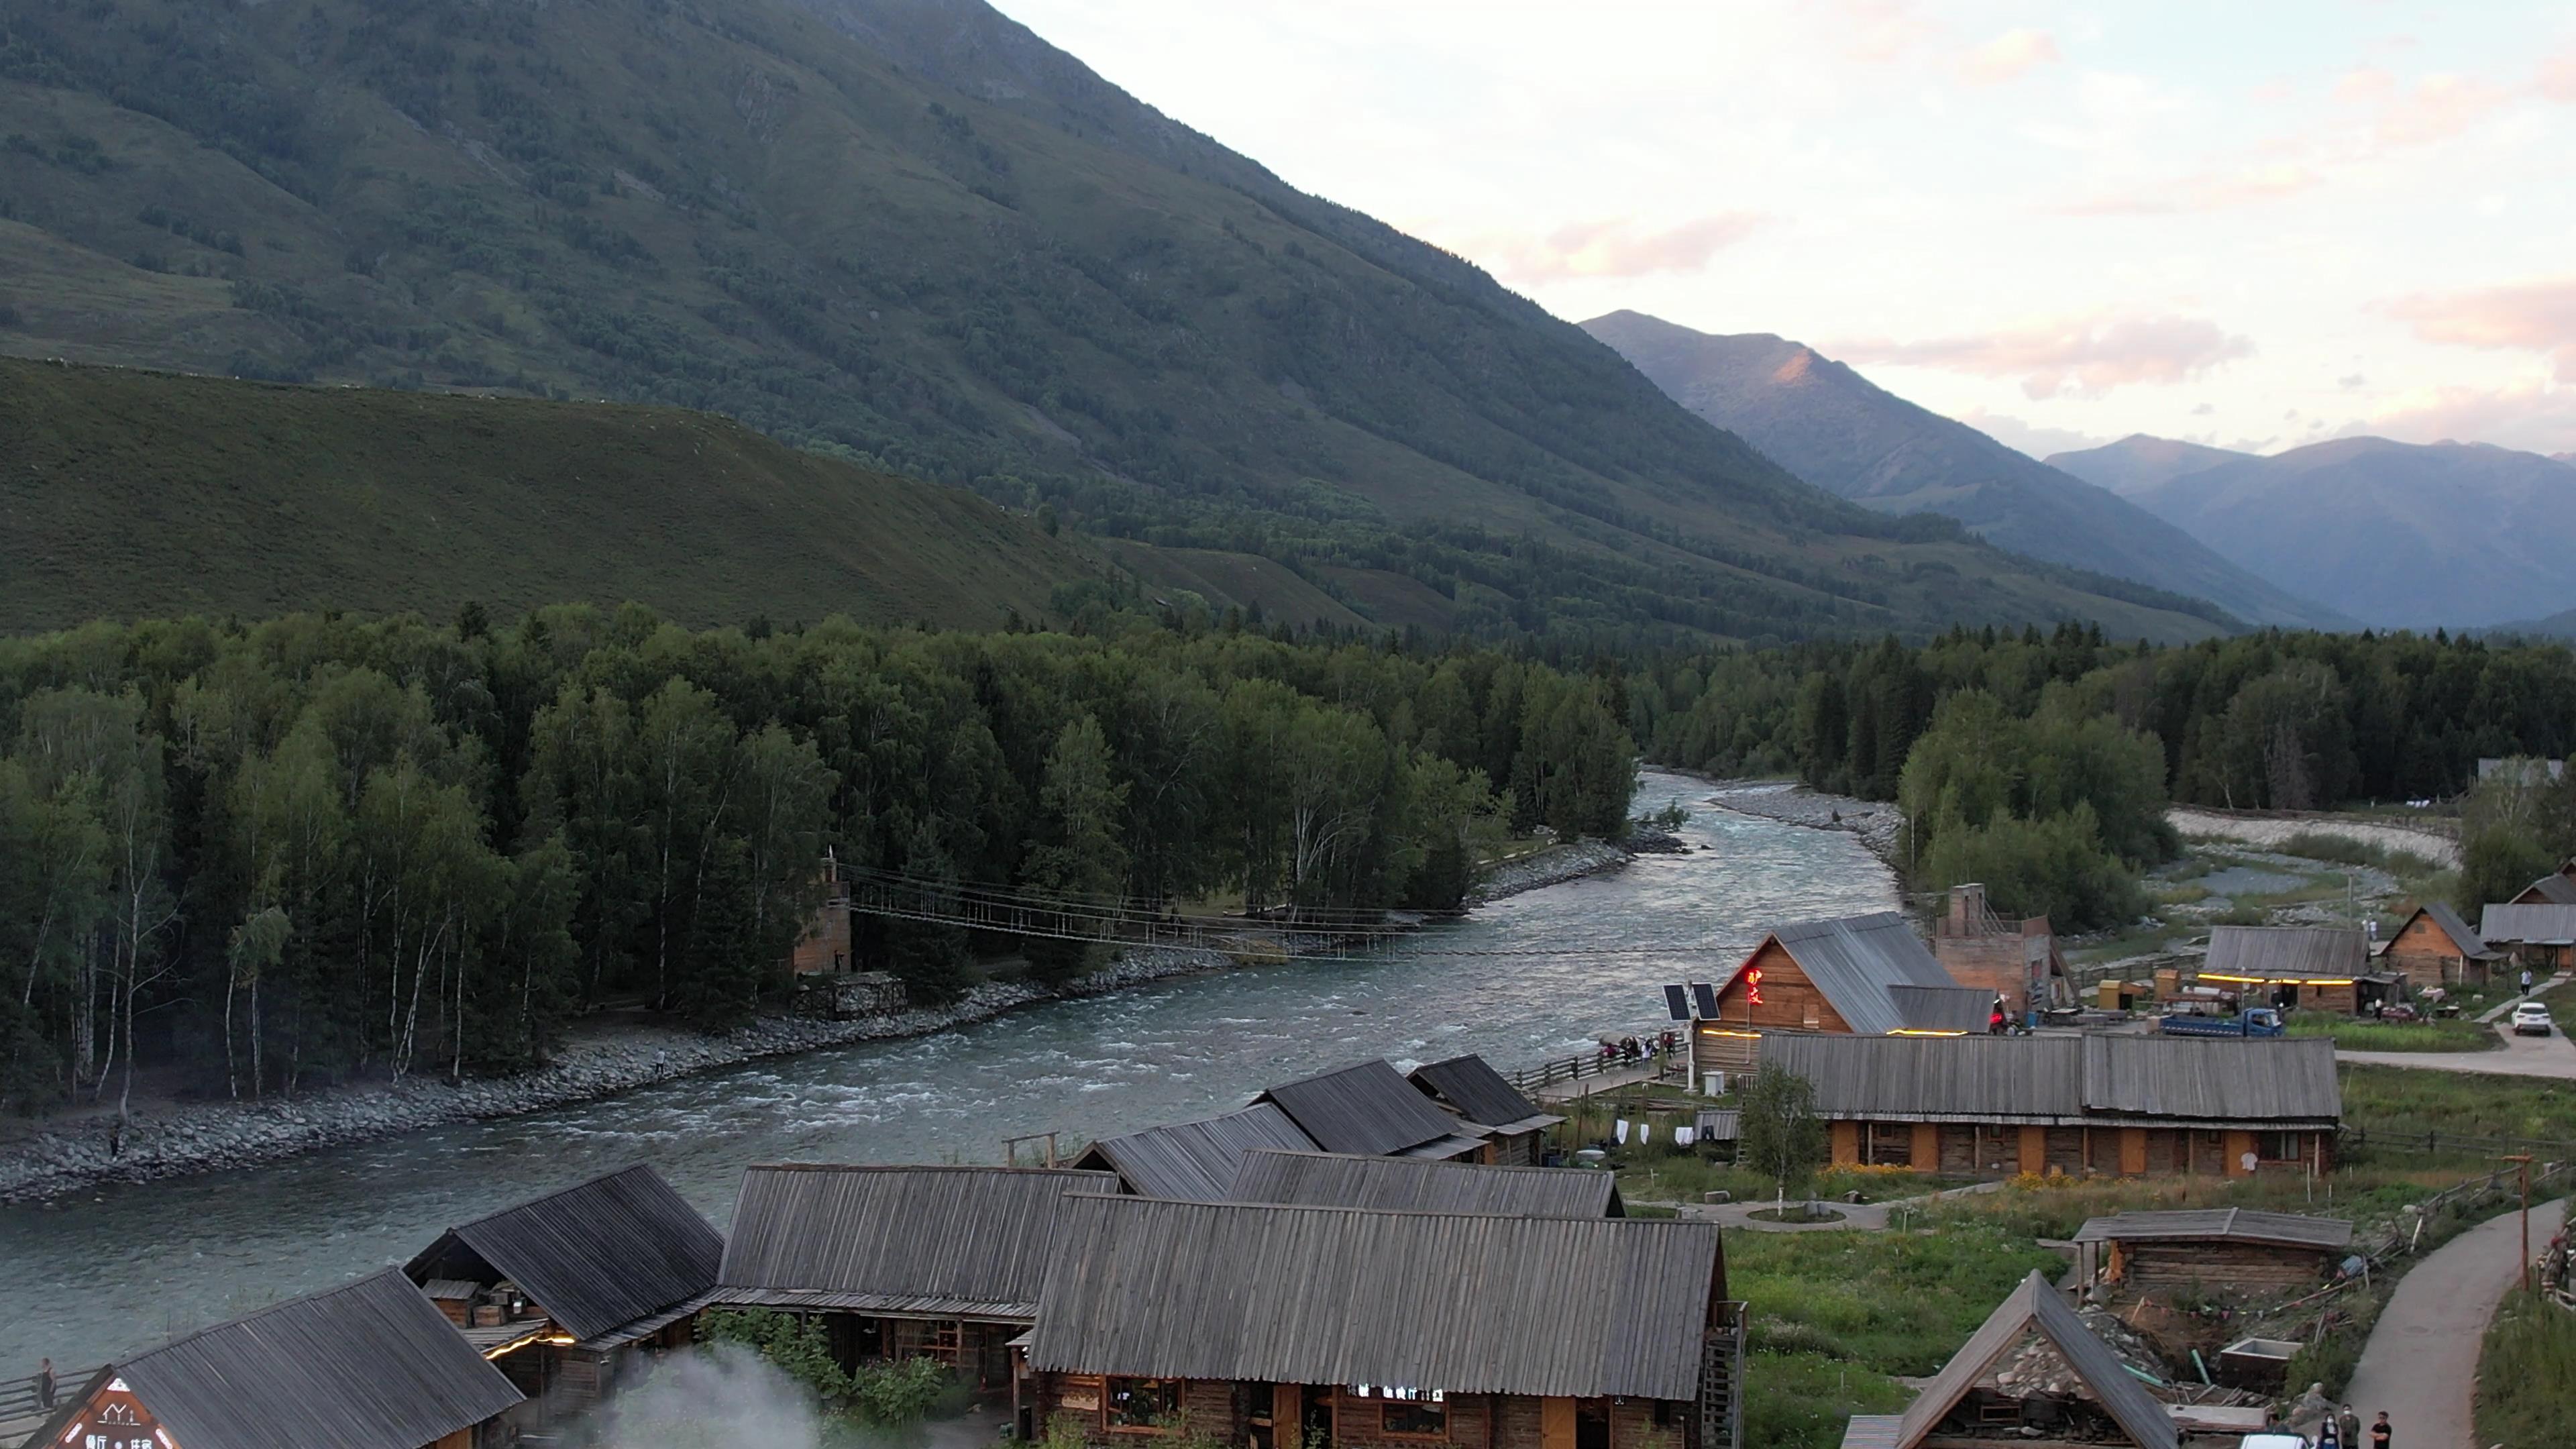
<point>1967,910</point>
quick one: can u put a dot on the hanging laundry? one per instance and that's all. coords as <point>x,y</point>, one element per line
<point>1621,1132</point>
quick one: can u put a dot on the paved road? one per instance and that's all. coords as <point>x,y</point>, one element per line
<point>2523,1056</point>
<point>2421,1364</point>
<point>1868,1216</point>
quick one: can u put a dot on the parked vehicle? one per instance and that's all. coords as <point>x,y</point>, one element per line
<point>2258,1021</point>
<point>2269,1439</point>
<point>2532,1019</point>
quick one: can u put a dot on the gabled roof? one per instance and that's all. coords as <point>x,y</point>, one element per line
<point>1195,1161</point>
<point>1369,1109</point>
<point>955,1242</point>
<point>620,1248</point>
<point>2247,1079</point>
<point>2447,921</point>
<point>1856,959</point>
<point>1943,1008</point>
<point>1590,1306</point>
<point>1324,1179</point>
<point>1477,1092</point>
<point>2286,953</point>
<point>2239,1225</point>
<point>2554,889</point>
<point>2529,925</point>
<point>368,1365</point>
<point>2034,1307</point>
<point>2047,1079</point>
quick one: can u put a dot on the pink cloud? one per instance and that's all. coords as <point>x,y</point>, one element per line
<point>2530,415</point>
<point>2204,191</point>
<point>2558,77</point>
<point>1882,30</point>
<point>2526,316</point>
<point>2086,355</point>
<point>2437,108</point>
<point>2009,56</point>
<point>1620,247</point>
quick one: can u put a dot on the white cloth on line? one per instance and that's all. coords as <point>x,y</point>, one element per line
<point>1622,1132</point>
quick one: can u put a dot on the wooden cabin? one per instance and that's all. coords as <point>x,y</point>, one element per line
<point>565,1291</point>
<point>2071,1105</point>
<point>1412,1184</point>
<point>2015,961</point>
<point>2316,968</point>
<point>1868,975</point>
<point>2220,1248</point>
<point>2558,888</point>
<point>2539,937</point>
<point>902,1262</point>
<point>367,1365</point>
<point>1971,1403</point>
<point>1370,1110</point>
<point>1280,1327</point>
<point>1194,1161</point>
<point>1469,1087</point>
<point>2436,945</point>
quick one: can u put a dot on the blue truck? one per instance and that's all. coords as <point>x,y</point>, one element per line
<point>2259,1021</point>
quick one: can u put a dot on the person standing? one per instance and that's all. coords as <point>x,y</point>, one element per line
<point>2351,1423</point>
<point>2380,1431</point>
<point>45,1384</point>
<point>2526,981</point>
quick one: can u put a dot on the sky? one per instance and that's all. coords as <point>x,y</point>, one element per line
<point>2255,224</point>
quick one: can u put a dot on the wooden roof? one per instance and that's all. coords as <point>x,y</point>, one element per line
<point>2239,1225</point>
<point>1195,1161</point>
<point>2553,889</point>
<point>1368,1109</point>
<point>953,1242</point>
<point>2049,1079</point>
<point>2466,942</point>
<point>1324,1179</point>
<point>368,1365</point>
<point>2529,925</point>
<point>597,1256</point>
<point>1461,1303</point>
<point>1858,962</point>
<point>2287,953</point>
<point>1477,1092</point>
<point>2035,1307</point>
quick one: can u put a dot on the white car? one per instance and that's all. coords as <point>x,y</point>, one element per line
<point>2531,1019</point>
<point>2273,1441</point>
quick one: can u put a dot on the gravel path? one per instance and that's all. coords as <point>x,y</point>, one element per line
<point>2269,830</point>
<point>2421,1364</point>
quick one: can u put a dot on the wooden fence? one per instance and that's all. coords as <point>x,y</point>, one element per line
<point>19,1402</point>
<point>1667,1067</point>
<point>2448,1144</point>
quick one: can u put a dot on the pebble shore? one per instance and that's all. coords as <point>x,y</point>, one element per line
<point>1878,823</point>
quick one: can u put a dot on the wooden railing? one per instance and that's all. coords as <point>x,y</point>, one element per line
<point>1667,1067</point>
<point>19,1401</point>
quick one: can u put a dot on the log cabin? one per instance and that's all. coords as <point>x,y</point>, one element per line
<point>1868,975</point>
<point>2067,1105</point>
<point>2558,888</point>
<point>1471,1089</point>
<point>2015,961</point>
<point>2319,968</point>
<point>2540,937</point>
<point>2434,944</point>
<point>1281,1327</point>
<point>1412,1184</point>
<point>1192,1161</point>
<point>565,1292</point>
<point>2217,1248</point>
<point>901,1262</point>
<point>1370,1110</point>
<point>367,1365</point>
<point>1967,1404</point>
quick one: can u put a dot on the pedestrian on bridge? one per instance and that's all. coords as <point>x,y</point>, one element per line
<point>45,1384</point>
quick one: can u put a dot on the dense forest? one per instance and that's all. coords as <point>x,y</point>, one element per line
<point>284,853</point>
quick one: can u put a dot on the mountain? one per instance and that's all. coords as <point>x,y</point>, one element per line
<point>2398,535</point>
<point>910,233</point>
<point>2138,462</point>
<point>1836,429</point>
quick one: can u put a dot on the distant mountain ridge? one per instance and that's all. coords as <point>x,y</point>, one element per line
<point>1834,428</point>
<point>2398,535</point>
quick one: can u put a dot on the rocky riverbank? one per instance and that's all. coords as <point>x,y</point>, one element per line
<point>1878,823</point>
<point>1552,866</point>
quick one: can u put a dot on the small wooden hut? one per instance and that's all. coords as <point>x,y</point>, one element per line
<point>1371,1110</point>
<point>1968,1404</point>
<point>2539,937</point>
<point>368,1365</point>
<point>1412,1184</point>
<point>1470,1087</point>
<point>2217,1248</point>
<point>1195,1161</point>
<point>2319,968</point>
<point>2436,945</point>
<point>2558,888</point>
<point>1864,975</point>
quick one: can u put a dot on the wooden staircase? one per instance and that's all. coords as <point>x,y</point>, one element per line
<point>1721,1381</point>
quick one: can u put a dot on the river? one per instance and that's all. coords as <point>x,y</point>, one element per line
<point>115,1270</point>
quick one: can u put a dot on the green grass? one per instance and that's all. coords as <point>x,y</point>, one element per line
<point>1802,1400</point>
<point>1895,1303</point>
<point>2056,1207</point>
<point>2527,1375</point>
<point>2395,1103</point>
<point>2361,1034</point>
<point>2324,845</point>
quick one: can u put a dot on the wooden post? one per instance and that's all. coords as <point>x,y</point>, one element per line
<point>2523,1164</point>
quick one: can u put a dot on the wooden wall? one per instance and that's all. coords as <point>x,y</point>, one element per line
<point>1964,1149</point>
<point>1223,1410</point>
<point>1789,1000</point>
<point>2223,1264</point>
<point>2425,952</point>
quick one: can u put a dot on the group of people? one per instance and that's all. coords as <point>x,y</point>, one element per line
<point>2343,1429</point>
<point>1632,1049</point>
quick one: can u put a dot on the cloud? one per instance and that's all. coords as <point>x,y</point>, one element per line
<point>2009,56</point>
<point>1618,248</point>
<point>2558,77</point>
<point>2204,410</point>
<point>2529,414</point>
<point>1882,30</point>
<point>2350,380</point>
<point>2437,108</point>
<point>2213,190</point>
<point>2032,438</point>
<point>2087,355</point>
<point>2525,316</point>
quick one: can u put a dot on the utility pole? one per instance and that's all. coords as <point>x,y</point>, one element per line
<point>2523,1165</point>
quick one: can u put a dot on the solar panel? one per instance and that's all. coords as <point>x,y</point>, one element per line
<point>1677,1002</point>
<point>1706,996</point>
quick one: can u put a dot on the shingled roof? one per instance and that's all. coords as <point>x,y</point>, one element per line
<point>950,1242</point>
<point>2065,1080</point>
<point>1324,1179</point>
<point>608,1259</point>
<point>1370,1109</point>
<point>369,1365</point>
<point>1879,977</point>
<point>2286,953</point>
<point>2034,1307</point>
<point>1471,1087</point>
<point>1195,1161</point>
<point>2241,1225</point>
<point>1591,1306</point>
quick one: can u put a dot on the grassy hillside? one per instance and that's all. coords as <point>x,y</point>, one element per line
<point>910,232</point>
<point>125,494</point>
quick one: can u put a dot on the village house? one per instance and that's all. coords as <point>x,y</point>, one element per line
<point>1281,1327</point>
<point>2539,937</point>
<point>2236,1247</point>
<point>1470,1087</point>
<point>2318,968</point>
<point>2558,888</point>
<point>367,1365</point>
<point>563,1291</point>
<point>2016,961</point>
<point>1868,975</point>
<point>1193,1161</point>
<point>2436,945</point>
<point>2095,1400</point>
<point>902,1262</point>
<point>1412,1184</point>
<point>2111,1105</point>
<point>1371,1110</point>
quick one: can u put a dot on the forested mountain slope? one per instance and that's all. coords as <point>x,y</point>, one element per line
<point>914,234</point>
<point>1845,434</point>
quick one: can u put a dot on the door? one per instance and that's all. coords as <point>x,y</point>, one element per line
<point>1592,1424</point>
<point>1315,1417</point>
<point>1556,1424</point>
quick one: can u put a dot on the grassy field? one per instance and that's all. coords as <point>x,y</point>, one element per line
<point>2527,1375</point>
<point>2395,1103</point>
<point>2361,1034</point>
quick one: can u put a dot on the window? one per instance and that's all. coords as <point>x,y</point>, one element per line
<point>1150,1406</point>
<point>1415,1413</point>
<point>2278,1146</point>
